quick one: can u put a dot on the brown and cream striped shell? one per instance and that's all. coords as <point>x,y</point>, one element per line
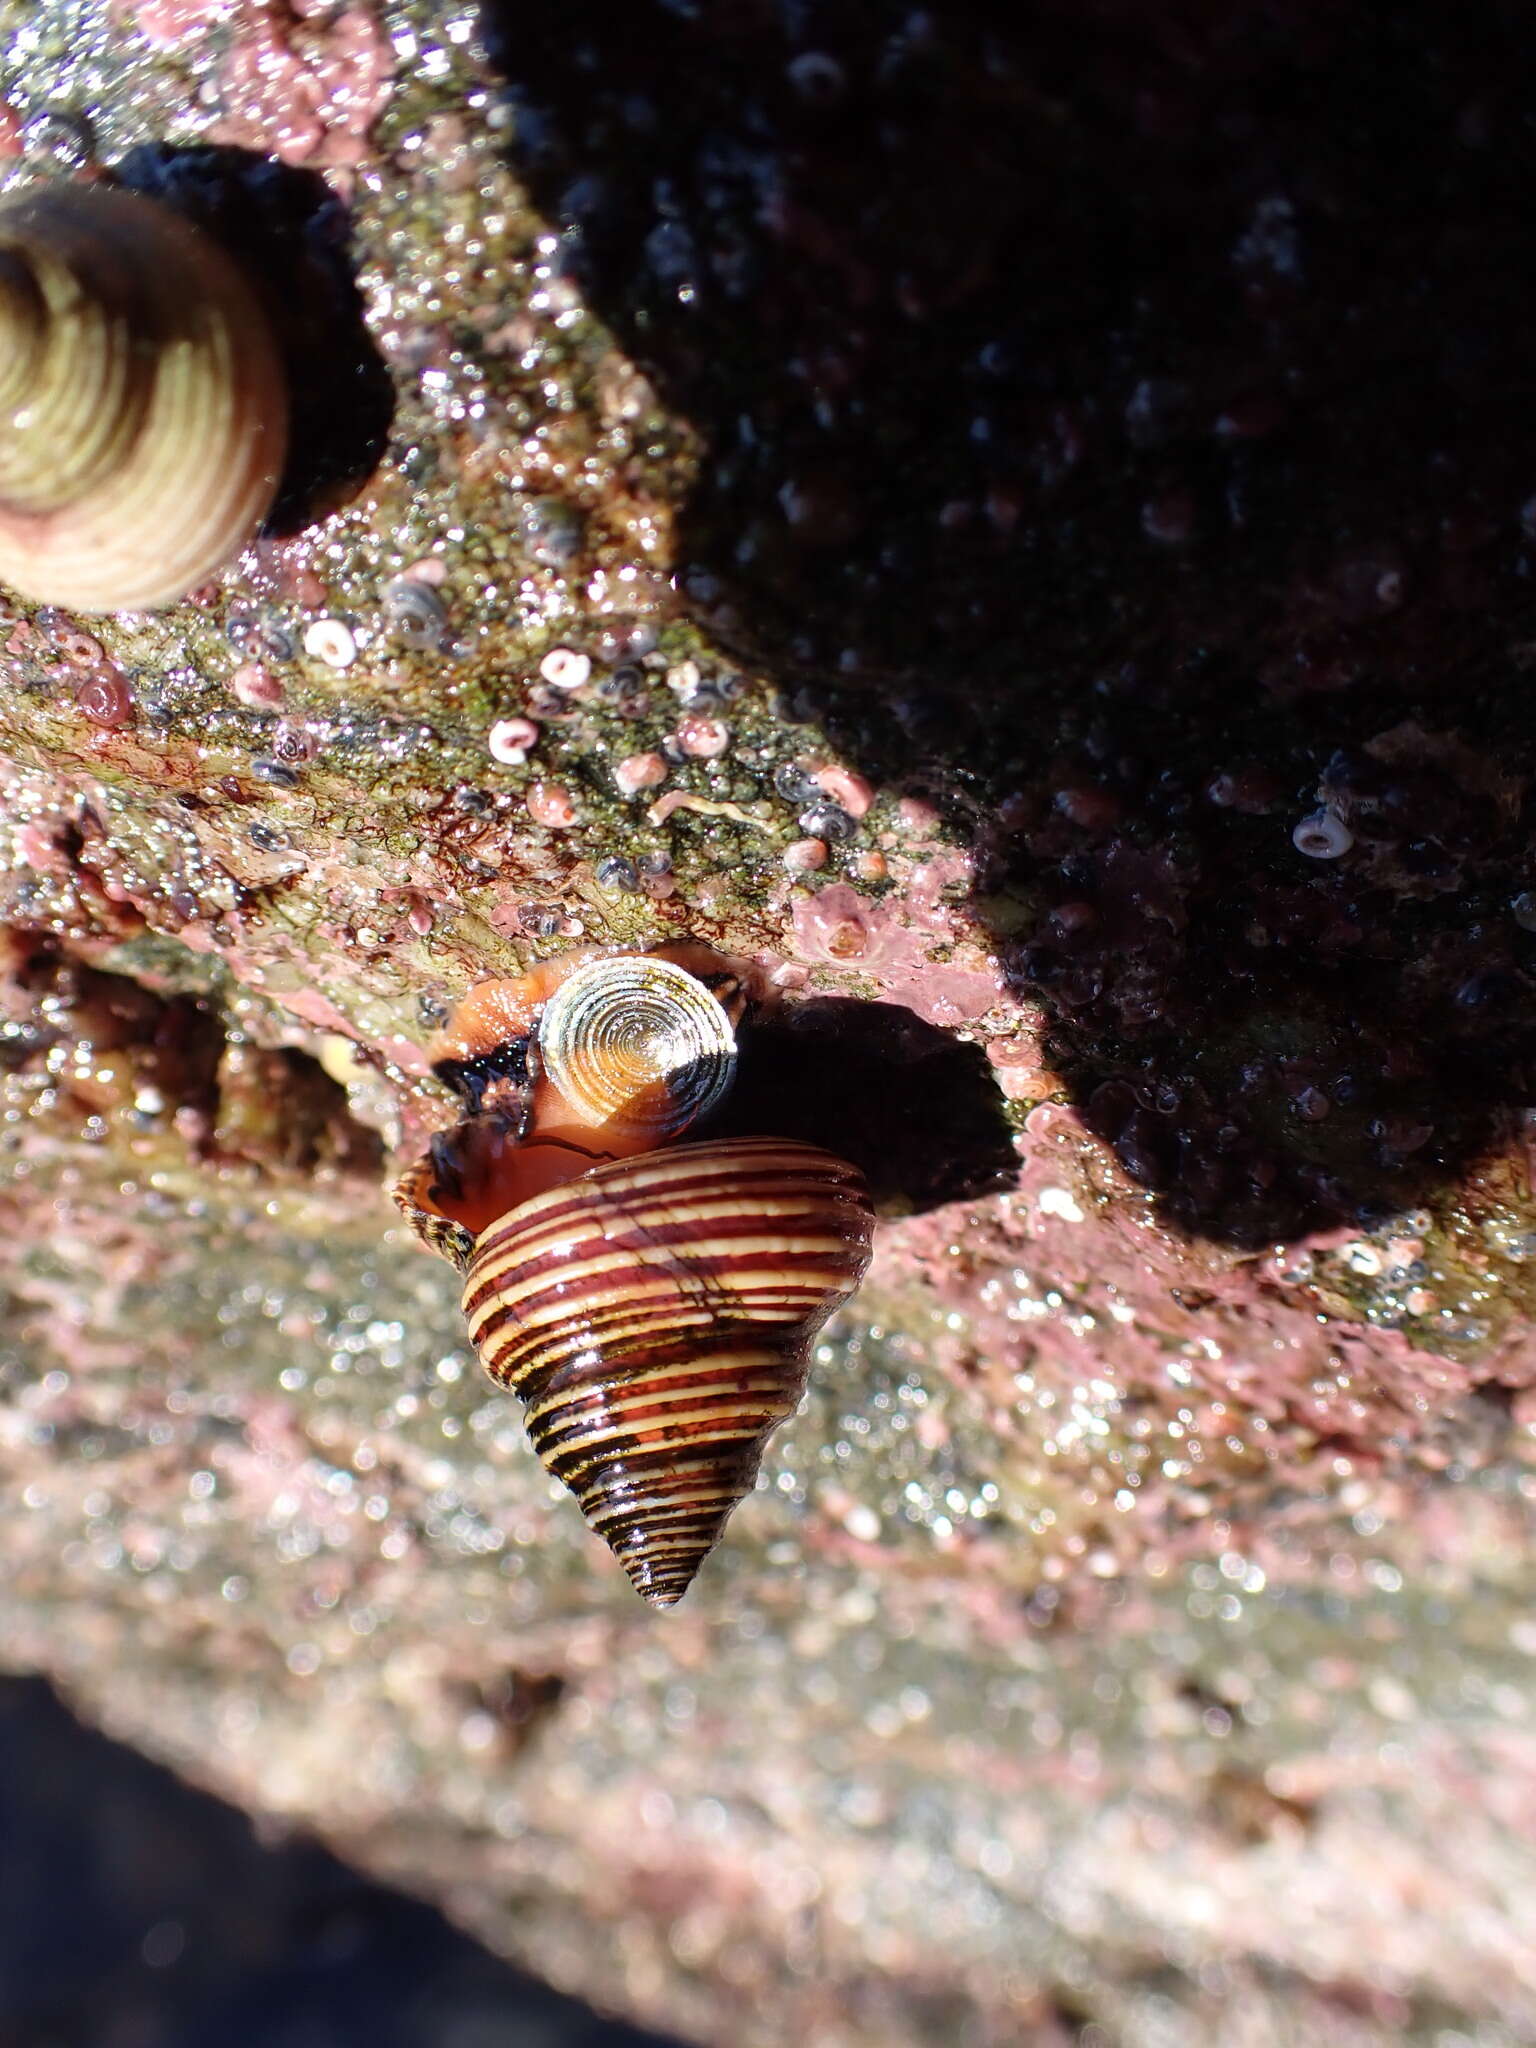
<point>655,1316</point>
<point>143,415</point>
<point>652,1303</point>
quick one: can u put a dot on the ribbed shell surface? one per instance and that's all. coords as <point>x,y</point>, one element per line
<point>636,1040</point>
<point>143,412</point>
<point>656,1317</point>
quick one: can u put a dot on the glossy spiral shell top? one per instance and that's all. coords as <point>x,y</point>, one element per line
<point>143,416</point>
<point>636,1043</point>
<point>652,1303</point>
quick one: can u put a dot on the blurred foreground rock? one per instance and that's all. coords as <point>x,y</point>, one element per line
<point>187,1923</point>
<point>1027,535</point>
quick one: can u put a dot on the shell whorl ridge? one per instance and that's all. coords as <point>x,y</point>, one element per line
<point>656,1315</point>
<point>143,415</point>
<point>637,1042</point>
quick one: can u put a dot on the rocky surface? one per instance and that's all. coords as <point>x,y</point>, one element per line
<point>186,1926</point>
<point>1027,535</point>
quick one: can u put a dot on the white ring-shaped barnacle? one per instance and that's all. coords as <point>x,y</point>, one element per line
<point>1322,835</point>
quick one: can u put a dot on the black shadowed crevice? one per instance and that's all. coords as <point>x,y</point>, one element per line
<point>1118,439</point>
<point>917,1110</point>
<point>289,233</point>
<point>131,1895</point>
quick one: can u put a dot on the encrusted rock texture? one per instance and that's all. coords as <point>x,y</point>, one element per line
<point>1022,522</point>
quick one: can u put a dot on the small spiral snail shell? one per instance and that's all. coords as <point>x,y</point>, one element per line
<point>143,417</point>
<point>636,1042</point>
<point>651,1302</point>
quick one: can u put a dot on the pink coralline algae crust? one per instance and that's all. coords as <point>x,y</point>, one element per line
<point>912,945</point>
<point>168,23</point>
<point>293,85</point>
<point>1188,1367</point>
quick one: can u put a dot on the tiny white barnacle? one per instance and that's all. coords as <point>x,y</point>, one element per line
<point>564,669</point>
<point>331,641</point>
<point>1322,835</point>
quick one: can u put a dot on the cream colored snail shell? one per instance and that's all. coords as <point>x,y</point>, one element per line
<point>652,1303</point>
<point>143,415</point>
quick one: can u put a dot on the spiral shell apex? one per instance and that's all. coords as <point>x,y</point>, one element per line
<point>655,1316</point>
<point>143,416</point>
<point>636,1042</point>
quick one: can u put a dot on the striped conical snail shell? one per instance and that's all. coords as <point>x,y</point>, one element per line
<point>655,1315</point>
<point>143,417</point>
<point>652,1303</point>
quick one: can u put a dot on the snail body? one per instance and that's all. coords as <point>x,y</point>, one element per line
<point>143,415</point>
<point>652,1302</point>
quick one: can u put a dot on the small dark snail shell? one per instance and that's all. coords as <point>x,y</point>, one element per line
<point>143,417</point>
<point>652,1303</point>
